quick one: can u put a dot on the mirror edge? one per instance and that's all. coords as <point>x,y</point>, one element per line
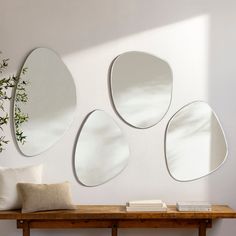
<point>111,91</point>
<point>223,133</point>
<point>76,142</point>
<point>12,106</point>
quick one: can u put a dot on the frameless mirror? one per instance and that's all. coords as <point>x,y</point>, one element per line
<point>195,143</point>
<point>101,151</point>
<point>141,88</point>
<point>44,103</point>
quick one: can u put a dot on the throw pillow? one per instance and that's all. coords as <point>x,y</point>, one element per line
<point>43,197</point>
<point>9,177</point>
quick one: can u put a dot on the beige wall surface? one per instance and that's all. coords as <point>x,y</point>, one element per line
<point>196,37</point>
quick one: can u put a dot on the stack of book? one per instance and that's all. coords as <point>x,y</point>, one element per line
<point>193,206</point>
<point>146,205</point>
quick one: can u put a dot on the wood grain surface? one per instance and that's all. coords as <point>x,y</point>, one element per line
<point>119,212</point>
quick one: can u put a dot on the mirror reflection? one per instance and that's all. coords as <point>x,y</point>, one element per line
<point>44,102</point>
<point>141,87</point>
<point>101,151</point>
<point>195,143</point>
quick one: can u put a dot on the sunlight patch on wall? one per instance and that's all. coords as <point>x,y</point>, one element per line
<point>184,45</point>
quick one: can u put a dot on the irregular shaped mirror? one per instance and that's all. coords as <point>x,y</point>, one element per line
<point>101,152</point>
<point>141,87</point>
<point>44,103</point>
<point>195,143</point>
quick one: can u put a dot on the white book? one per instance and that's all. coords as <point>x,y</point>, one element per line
<point>157,203</point>
<point>194,209</point>
<point>146,208</point>
<point>193,204</point>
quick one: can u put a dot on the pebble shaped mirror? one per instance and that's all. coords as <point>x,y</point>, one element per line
<point>195,143</point>
<point>101,150</point>
<point>141,88</point>
<point>44,102</point>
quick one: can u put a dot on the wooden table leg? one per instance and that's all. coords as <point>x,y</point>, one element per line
<point>114,230</point>
<point>26,228</point>
<point>202,229</point>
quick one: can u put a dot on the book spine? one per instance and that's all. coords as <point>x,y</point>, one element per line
<point>194,209</point>
<point>146,210</point>
<point>145,205</point>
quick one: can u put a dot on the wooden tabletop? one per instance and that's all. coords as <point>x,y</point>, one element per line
<point>119,212</point>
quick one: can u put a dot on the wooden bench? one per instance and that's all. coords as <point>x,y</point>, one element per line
<point>114,217</point>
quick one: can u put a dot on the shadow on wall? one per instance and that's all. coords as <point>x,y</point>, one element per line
<point>221,94</point>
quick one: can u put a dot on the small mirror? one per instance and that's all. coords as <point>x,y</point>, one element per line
<point>195,143</point>
<point>141,87</point>
<point>101,152</point>
<point>44,103</point>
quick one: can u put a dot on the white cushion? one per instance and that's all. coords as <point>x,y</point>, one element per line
<point>9,177</point>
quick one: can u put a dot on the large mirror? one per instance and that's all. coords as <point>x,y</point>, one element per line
<point>44,102</point>
<point>195,143</point>
<point>102,151</point>
<point>141,88</point>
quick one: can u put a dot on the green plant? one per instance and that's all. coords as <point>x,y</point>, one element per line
<point>6,83</point>
<point>21,97</point>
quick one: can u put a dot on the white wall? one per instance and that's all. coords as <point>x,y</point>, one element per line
<point>196,37</point>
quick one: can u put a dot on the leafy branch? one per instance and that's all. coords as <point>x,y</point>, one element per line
<point>20,117</point>
<point>6,83</point>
